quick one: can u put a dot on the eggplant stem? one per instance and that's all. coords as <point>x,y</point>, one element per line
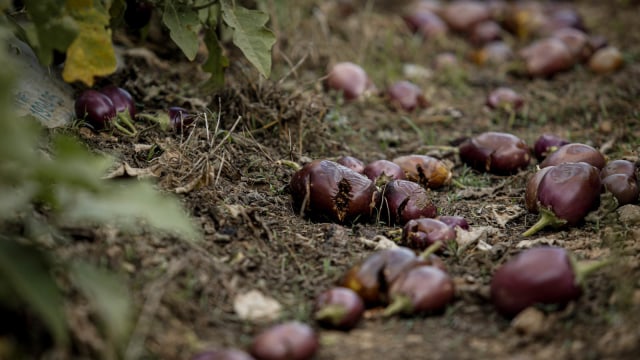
<point>331,313</point>
<point>123,118</point>
<point>290,164</point>
<point>400,304</point>
<point>430,250</point>
<point>582,269</point>
<point>161,119</point>
<point>547,218</point>
<point>122,129</point>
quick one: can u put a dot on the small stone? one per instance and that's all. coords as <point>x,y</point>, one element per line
<point>254,306</point>
<point>530,321</point>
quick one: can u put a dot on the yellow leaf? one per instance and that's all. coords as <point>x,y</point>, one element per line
<point>91,54</point>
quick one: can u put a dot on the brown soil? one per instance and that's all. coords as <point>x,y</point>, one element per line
<point>228,175</point>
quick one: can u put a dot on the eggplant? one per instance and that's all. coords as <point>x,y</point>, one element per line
<point>495,152</point>
<point>420,289</point>
<point>575,152</point>
<point>422,233</point>
<point>371,278</point>
<point>566,193</point>
<point>546,144</point>
<point>405,200</point>
<point>539,276</point>
<point>339,308</point>
<point>324,189</point>
<point>426,170</point>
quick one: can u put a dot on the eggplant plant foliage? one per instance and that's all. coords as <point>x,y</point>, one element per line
<point>50,182</point>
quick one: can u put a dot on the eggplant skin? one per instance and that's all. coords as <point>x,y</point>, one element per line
<point>495,152</point>
<point>543,275</point>
<point>570,190</point>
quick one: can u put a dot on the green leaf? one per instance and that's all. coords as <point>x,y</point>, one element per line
<point>54,27</point>
<point>183,24</point>
<point>131,205</point>
<point>215,64</point>
<point>91,54</point>
<point>250,34</point>
<point>108,296</point>
<point>27,272</point>
<point>15,199</point>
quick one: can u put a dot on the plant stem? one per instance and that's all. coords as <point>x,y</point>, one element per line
<point>400,304</point>
<point>547,218</point>
<point>293,165</point>
<point>332,314</point>
<point>430,250</point>
<point>582,269</point>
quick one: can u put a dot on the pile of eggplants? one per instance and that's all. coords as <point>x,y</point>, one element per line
<point>403,282</point>
<point>347,190</point>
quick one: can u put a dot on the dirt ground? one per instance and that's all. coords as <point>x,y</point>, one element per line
<point>228,175</point>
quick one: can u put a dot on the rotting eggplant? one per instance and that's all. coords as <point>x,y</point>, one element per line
<point>421,233</point>
<point>495,152</point>
<point>426,170</point>
<point>324,189</point>
<point>404,200</point>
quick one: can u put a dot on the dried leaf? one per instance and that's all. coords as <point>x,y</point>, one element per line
<point>91,54</point>
<point>255,306</point>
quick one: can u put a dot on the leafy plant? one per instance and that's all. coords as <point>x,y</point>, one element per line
<point>82,29</point>
<point>46,184</point>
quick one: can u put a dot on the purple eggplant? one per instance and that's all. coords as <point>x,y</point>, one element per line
<point>180,118</point>
<point>420,289</point>
<point>291,340</point>
<point>422,233</point>
<point>485,32</point>
<point>619,177</point>
<point>405,200</point>
<point>619,166</point>
<point>426,170</point>
<point>383,171</point>
<point>624,188</point>
<point>546,57</point>
<point>506,99</point>
<point>352,163</point>
<point>138,13</point>
<point>122,100</point>
<point>324,189</point>
<point>575,152</point>
<point>372,276</point>
<point>454,221</point>
<point>426,23</point>
<point>538,276</point>
<point>339,308</point>
<point>566,194</point>
<point>495,152</point>
<point>531,191</point>
<point>407,96</point>
<point>95,108</point>
<point>546,144</point>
